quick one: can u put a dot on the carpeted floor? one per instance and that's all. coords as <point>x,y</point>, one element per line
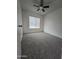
<point>41,46</point>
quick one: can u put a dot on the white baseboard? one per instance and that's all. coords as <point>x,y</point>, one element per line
<point>54,34</point>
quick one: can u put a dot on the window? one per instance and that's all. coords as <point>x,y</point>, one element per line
<point>34,22</point>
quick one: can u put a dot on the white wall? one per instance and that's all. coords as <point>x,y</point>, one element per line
<point>53,23</point>
<point>19,29</point>
<point>26,15</point>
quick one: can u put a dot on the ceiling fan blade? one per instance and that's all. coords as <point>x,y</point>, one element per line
<point>38,9</point>
<point>46,6</point>
<point>35,5</point>
<point>43,10</point>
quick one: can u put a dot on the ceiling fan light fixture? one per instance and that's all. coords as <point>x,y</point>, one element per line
<point>41,6</point>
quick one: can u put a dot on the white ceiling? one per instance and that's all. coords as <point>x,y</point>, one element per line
<point>27,5</point>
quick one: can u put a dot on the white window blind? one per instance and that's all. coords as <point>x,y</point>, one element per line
<point>34,22</point>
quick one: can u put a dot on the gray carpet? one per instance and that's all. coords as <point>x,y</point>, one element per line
<point>41,46</point>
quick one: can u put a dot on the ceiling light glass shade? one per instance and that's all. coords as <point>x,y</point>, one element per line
<point>41,8</point>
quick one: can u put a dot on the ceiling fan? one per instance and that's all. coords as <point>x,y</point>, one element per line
<point>41,6</point>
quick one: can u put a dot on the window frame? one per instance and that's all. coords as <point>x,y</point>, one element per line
<point>30,27</point>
